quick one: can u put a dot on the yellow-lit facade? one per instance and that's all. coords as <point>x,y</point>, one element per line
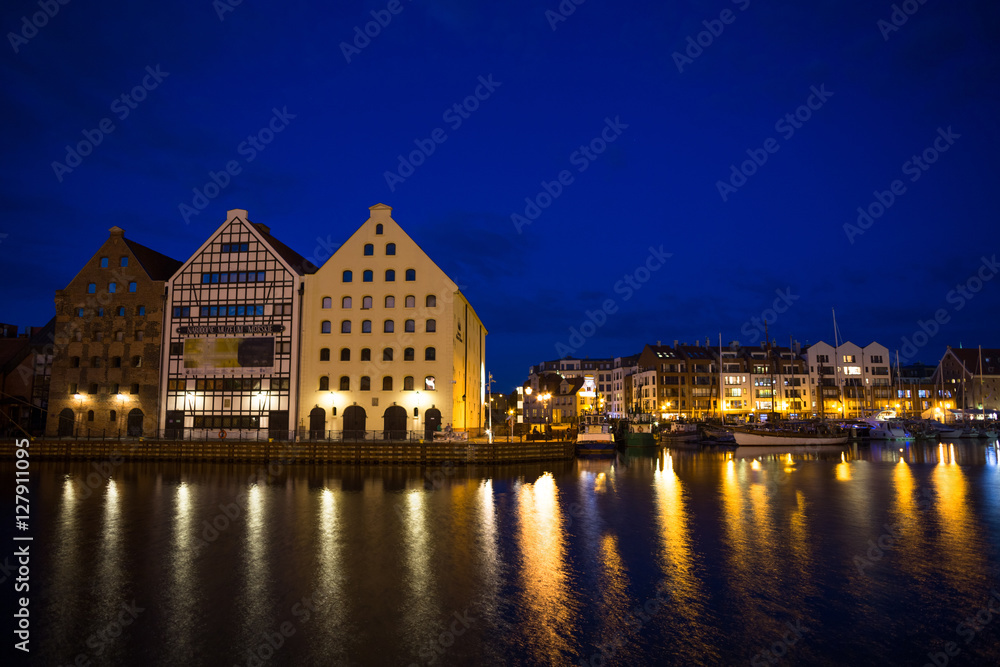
<point>389,342</point>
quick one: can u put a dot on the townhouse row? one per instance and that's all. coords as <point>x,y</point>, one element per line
<point>247,339</point>
<point>796,382</point>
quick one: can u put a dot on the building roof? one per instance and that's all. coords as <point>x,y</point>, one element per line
<point>297,262</point>
<point>969,357</point>
<point>156,265</point>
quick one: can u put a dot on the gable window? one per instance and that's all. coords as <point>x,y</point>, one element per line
<point>132,286</point>
<point>369,249</point>
<point>104,262</point>
<point>347,277</point>
<point>390,248</point>
<point>92,288</point>
<point>378,229</point>
<point>411,275</point>
<point>124,261</point>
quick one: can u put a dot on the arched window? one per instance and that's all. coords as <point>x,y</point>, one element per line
<point>411,301</point>
<point>388,326</point>
<point>367,276</point>
<point>90,415</point>
<point>325,327</point>
<point>387,383</point>
<point>378,229</point>
<point>431,326</point>
<point>345,302</point>
<point>366,383</point>
<point>429,383</point>
<point>366,326</point>
<point>345,383</point>
<point>408,383</point>
<point>345,326</point>
<point>411,275</point>
<point>387,354</point>
<point>345,354</point>
<point>430,354</point>
<point>369,249</point>
<point>431,301</point>
<point>327,302</point>
<point>390,276</point>
<point>113,416</point>
<point>324,383</point>
<point>390,248</point>
<point>390,302</point>
<point>410,326</point>
<point>366,354</point>
<point>408,354</point>
<point>348,276</point>
<point>366,302</point>
<point>112,288</point>
<point>324,354</point>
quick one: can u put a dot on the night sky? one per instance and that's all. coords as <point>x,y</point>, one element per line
<point>630,131</point>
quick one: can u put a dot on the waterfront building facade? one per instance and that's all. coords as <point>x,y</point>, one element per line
<point>108,331</point>
<point>232,336</point>
<point>969,379</point>
<point>849,380</point>
<point>389,342</point>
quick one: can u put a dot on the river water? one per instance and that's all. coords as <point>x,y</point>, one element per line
<point>839,556</point>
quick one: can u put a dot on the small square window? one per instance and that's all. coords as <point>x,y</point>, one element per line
<point>104,262</point>
<point>132,287</point>
<point>124,261</point>
<point>92,288</point>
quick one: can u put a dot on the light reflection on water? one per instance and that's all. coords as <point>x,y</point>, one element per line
<point>544,562</point>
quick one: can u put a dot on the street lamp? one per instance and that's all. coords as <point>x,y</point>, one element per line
<point>79,398</point>
<point>545,400</point>
<point>122,398</point>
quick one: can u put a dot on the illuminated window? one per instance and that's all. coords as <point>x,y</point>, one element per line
<point>429,383</point>
<point>324,383</point>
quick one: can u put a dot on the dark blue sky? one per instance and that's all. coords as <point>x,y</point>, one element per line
<point>884,94</point>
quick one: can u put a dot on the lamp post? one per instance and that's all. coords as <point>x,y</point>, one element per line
<point>121,408</point>
<point>544,398</point>
<point>79,399</point>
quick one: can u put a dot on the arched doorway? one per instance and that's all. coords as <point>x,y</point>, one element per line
<point>317,423</point>
<point>354,423</point>
<point>135,423</point>
<point>66,421</point>
<point>432,421</point>
<point>395,423</point>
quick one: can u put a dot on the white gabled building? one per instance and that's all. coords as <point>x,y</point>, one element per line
<point>849,380</point>
<point>389,342</point>
<point>231,336</point>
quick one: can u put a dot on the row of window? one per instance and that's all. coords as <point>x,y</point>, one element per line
<point>365,383</point>
<point>390,302</point>
<point>112,287</point>
<point>123,261</point>
<point>388,326</point>
<point>235,247</point>
<point>98,336</point>
<point>95,389</point>
<point>430,354</point>
<point>390,249</point>
<point>250,310</point>
<point>95,362</point>
<point>226,421</point>
<point>228,384</point>
<point>233,277</point>
<point>390,276</point>
<point>280,347</point>
<point>119,311</point>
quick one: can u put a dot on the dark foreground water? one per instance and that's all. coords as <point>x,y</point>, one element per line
<point>834,557</point>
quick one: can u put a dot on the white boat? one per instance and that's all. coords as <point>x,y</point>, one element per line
<point>885,426</point>
<point>594,437</point>
<point>784,437</point>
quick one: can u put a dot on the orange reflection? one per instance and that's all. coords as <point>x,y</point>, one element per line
<point>909,521</point>
<point>959,546</point>
<point>544,576</point>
